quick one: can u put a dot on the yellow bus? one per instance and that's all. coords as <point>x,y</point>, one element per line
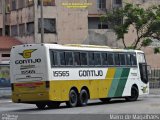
<point>49,74</point>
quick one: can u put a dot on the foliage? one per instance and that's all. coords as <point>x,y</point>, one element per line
<point>145,21</point>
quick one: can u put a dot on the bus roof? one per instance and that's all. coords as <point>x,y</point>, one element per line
<point>81,47</point>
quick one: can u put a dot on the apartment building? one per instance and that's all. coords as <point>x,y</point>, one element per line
<point>21,19</point>
<point>62,25</point>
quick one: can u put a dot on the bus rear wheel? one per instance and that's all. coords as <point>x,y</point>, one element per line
<point>41,105</point>
<point>105,100</point>
<point>73,98</point>
<point>53,104</point>
<point>134,94</point>
<point>83,98</point>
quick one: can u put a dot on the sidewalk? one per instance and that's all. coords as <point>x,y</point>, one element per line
<point>5,93</point>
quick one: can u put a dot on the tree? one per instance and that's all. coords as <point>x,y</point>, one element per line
<point>145,21</point>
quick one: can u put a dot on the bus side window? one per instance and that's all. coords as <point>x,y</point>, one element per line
<point>69,58</point>
<point>122,59</point>
<point>133,60</point>
<point>77,58</point>
<point>62,58</point>
<point>97,59</point>
<point>54,60</point>
<point>128,59</point>
<point>110,59</point>
<point>117,59</point>
<point>91,58</point>
<point>104,59</point>
<point>83,58</point>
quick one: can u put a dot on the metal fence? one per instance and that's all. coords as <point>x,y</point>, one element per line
<point>154,78</point>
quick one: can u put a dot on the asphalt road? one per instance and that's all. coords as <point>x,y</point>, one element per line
<point>117,109</point>
<point>147,105</point>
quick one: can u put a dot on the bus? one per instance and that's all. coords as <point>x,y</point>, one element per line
<point>49,74</point>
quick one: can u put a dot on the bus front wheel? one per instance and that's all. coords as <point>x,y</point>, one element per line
<point>134,94</point>
<point>83,98</point>
<point>73,98</point>
<point>41,105</point>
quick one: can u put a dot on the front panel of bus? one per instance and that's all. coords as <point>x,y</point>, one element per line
<point>143,74</point>
<point>28,73</point>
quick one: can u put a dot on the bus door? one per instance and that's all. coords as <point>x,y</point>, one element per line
<point>143,68</point>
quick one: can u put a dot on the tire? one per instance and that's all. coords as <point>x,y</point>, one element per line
<point>134,94</point>
<point>105,100</point>
<point>53,104</point>
<point>83,98</point>
<point>41,105</point>
<point>73,98</point>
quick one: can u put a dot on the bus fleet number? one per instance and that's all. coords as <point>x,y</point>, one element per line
<point>60,73</point>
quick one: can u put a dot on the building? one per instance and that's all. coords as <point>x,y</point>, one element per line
<point>64,24</point>
<point>6,44</point>
<point>21,19</point>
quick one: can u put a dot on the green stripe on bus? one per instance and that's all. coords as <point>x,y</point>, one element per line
<point>122,82</point>
<point>115,82</point>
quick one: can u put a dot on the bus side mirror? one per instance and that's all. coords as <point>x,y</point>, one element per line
<point>148,69</point>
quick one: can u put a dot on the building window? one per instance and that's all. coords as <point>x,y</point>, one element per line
<point>21,4</point>
<point>96,23</point>
<point>0,31</point>
<point>118,1</point>
<point>13,4</point>
<point>49,25</point>
<point>101,4</point>
<point>102,26</point>
<point>30,3</point>
<point>7,30</point>
<point>14,30</point>
<point>30,28</point>
<point>47,2</point>
<point>21,29</point>
<point>5,55</point>
<point>7,6</point>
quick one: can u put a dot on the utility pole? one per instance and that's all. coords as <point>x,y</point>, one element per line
<point>3,14</point>
<point>42,23</point>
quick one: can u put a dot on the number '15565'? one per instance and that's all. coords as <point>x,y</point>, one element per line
<point>60,73</point>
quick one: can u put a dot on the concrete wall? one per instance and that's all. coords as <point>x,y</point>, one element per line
<point>102,37</point>
<point>71,23</point>
<point>1,21</point>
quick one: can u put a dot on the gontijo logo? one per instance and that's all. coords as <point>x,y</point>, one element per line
<point>27,53</point>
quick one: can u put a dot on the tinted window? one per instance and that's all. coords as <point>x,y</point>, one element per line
<point>133,59</point>
<point>97,58</point>
<point>104,59</point>
<point>68,58</point>
<point>122,59</point>
<point>83,57</point>
<point>91,58</point>
<point>116,58</point>
<point>77,58</point>
<point>54,57</point>
<point>62,58</point>
<point>128,59</point>
<point>110,59</point>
